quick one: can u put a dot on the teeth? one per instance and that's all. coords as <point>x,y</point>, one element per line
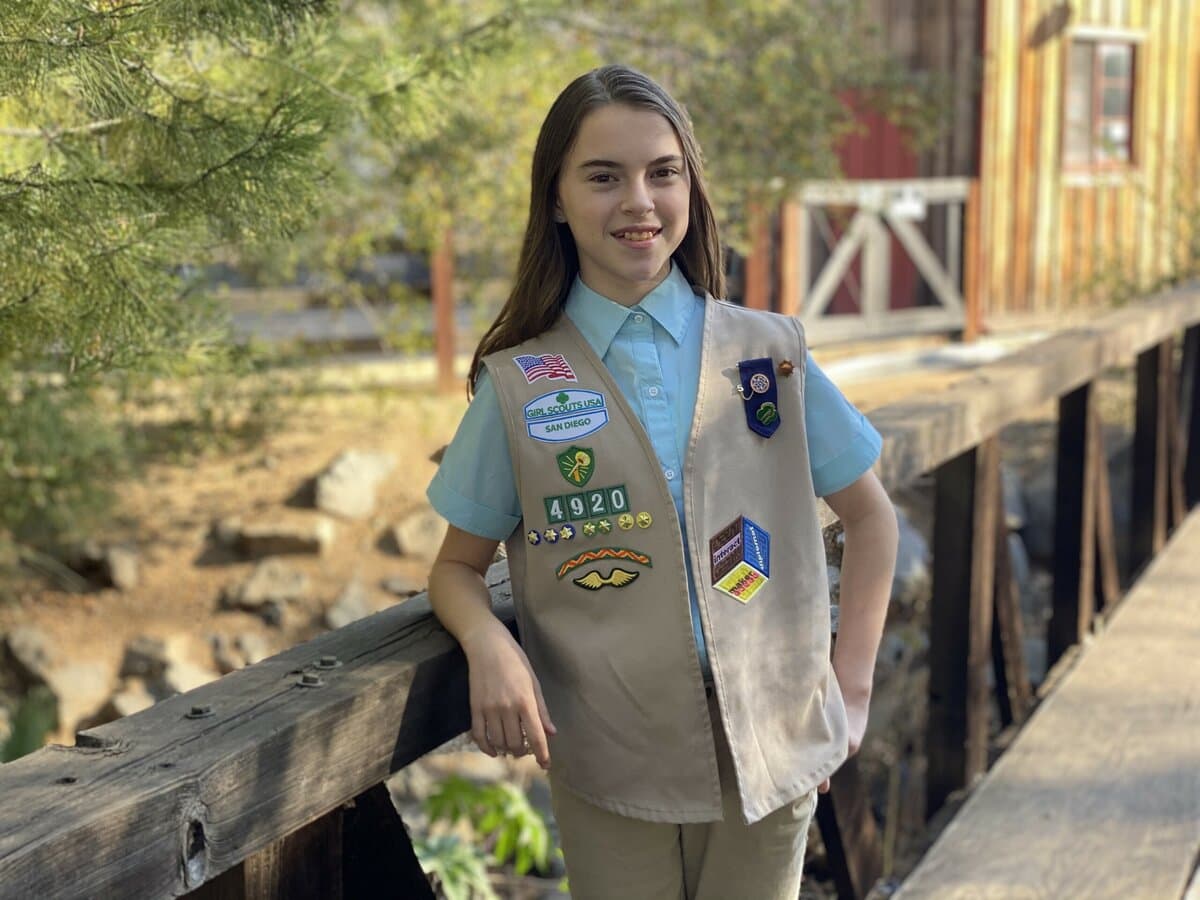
<point>638,235</point>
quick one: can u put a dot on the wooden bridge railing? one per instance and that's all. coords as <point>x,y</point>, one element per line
<point>269,782</point>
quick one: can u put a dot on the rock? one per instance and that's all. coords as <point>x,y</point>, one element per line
<point>183,676</point>
<point>228,658</point>
<point>227,532</point>
<point>272,583</point>
<point>1014,503</point>
<point>132,697</point>
<point>352,604</point>
<point>253,647</point>
<point>147,658</point>
<point>81,689</point>
<point>347,488</point>
<point>261,539</point>
<point>420,534</point>
<point>25,659</point>
<point>115,565</point>
<point>403,586</point>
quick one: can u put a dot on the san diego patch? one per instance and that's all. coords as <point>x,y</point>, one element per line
<point>740,556</point>
<point>565,415</point>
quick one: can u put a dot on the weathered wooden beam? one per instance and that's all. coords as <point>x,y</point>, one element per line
<point>1014,693</point>
<point>1148,522</point>
<point>960,628</point>
<point>849,833</point>
<point>156,804</point>
<point>1108,574</point>
<point>1189,404</point>
<point>1074,525</point>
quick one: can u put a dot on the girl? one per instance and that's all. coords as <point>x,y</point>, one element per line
<point>652,457</point>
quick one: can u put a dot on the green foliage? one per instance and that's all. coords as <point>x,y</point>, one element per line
<point>459,870</point>
<point>36,716</point>
<point>501,814</point>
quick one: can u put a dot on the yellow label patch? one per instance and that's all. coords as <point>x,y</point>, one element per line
<point>742,582</point>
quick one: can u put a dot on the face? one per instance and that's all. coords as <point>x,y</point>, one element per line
<point>624,194</point>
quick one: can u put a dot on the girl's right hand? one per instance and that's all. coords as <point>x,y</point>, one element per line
<point>508,711</point>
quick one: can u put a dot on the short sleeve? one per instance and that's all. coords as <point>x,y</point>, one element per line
<point>474,488</point>
<point>842,442</point>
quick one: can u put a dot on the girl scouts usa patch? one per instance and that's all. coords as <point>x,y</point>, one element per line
<point>565,415</point>
<point>741,559</point>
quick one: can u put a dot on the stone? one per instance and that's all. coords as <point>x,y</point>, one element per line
<point>148,657</point>
<point>122,567</point>
<point>81,689</point>
<point>279,538</point>
<point>25,659</point>
<point>420,534</point>
<point>132,697</point>
<point>271,582</point>
<point>183,676</point>
<point>253,647</point>
<point>403,586</point>
<point>348,487</point>
<point>352,604</point>
<point>226,656</point>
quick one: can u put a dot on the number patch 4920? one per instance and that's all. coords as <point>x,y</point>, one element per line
<point>587,504</point>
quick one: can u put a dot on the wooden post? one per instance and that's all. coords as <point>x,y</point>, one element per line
<point>378,859</point>
<point>442,287</point>
<point>876,269</point>
<point>1176,452</point>
<point>1014,694</point>
<point>960,630</point>
<point>1189,404</point>
<point>1108,575</point>
<point>973,321</point>
<point>757,291</point>
<point>849,833</point>
<point>1149,512</point>
<point>793,268</point>
<point>1074,525</point>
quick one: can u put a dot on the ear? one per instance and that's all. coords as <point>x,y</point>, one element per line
<point>559,215</point>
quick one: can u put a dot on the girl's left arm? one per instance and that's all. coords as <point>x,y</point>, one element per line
<point>868,563</point>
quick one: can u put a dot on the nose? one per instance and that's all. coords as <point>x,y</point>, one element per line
<point>637,200</point>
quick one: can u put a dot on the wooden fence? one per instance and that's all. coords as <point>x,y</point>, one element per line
<point>269,782</point>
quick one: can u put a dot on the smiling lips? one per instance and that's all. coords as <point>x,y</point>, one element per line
<point>636,236</point>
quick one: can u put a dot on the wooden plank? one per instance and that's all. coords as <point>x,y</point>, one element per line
<point>1190,405</point>
<point>1176,460</point>
<point>1013,690</point>
<point>1099,795</point>
<point>378,856</point>
<point>1170,98</point>
<point>1147,124</point>
<point>793,257</point>
<point>924,432</point>
<point>849,833</point>
<point>960,632</point>
<point>835,267</point>
<point>160,804</point>
<point>1068,251</point>
<point>973,319</point>
<point>819,192</point>
<point>1108,576</point>
<point>445,339</point>
<point>756,292</point>
<point>927,264</point>
<point>1000,242</point>
<point>877,269</point>
<point>305,865</point>
<point>1074,525</point>
<point>1029,93</point>
<point>1046,210</point>
<point>1148,522</point>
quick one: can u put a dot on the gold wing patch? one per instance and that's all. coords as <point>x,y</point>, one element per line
<point>618,578</point>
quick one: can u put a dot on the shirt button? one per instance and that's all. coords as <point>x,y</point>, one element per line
<point>639,318</point>
<point>670,473</point>
<point>653,392</point>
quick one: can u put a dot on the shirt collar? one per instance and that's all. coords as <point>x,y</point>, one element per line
<point>598,319</point>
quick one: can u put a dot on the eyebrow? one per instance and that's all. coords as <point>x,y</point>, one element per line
<point>609,164</point>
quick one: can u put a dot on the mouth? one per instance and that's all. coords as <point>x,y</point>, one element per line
<point>639,235</point>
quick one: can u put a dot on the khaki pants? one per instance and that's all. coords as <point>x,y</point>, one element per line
<point>614,857</point>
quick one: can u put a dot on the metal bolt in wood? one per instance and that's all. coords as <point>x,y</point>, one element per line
<point>310,679</point>
<point>328,662</point>
<point>200,711</point>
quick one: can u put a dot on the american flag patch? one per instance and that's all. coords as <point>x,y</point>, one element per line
<point>549,365</point>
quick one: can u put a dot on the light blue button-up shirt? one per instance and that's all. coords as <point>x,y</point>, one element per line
<point>652,350</point>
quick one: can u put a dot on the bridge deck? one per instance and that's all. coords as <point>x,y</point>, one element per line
<point>1099,795</point>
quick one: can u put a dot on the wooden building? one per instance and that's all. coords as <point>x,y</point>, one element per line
<point>1075,128</point>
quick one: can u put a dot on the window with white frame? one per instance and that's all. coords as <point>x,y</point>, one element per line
<point>1098,131</point>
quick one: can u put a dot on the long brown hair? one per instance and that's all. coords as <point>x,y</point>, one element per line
<point>549,261</point>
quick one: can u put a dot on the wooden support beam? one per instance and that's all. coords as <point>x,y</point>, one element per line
<point>793,257</point>
<point>442,287</point>
<point>757,291</point>
<point>1176,446</point>
<point>1014,693</point>
<point>1149,516</point>
<point>378,859</point>
<point>1074,525</point>
<point>849,833</point>
<point>1108,574</point>
<point>1189,403</point>
<point>961,621</point>
<point>972,299</point>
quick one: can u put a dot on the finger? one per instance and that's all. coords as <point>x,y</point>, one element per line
<point>542,709</point>
<point>514,738</point>
<point>479,733</point>
<point>539,746</point>
<point>824,788</point>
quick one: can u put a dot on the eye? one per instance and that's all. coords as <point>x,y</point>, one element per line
<point>601,178</point>
<point>666,172</point>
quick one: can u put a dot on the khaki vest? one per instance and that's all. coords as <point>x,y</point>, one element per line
<point>601,595</point>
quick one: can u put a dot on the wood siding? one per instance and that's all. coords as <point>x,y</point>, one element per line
<point>1049,238</point>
